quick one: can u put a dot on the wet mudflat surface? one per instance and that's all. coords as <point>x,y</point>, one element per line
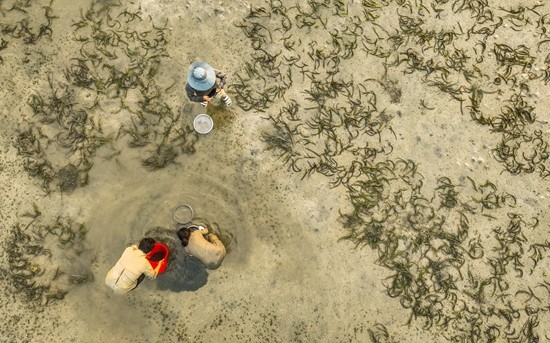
<point>381,176</point>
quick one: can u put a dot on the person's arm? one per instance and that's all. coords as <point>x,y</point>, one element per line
<point>203,230</point>
<point>152,273</point>
<point>222,76</point>
<point>218,252</point>
<point>212,238</point>
<point>157,269</point>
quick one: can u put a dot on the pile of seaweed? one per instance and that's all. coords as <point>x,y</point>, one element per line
<point>46,259</point>
<point>112,77</point>
<point>462,258</point>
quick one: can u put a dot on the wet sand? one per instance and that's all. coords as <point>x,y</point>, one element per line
<point>288,276</point>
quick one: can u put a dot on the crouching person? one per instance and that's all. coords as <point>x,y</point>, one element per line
<point>132,267</point>
<point>205,246</point>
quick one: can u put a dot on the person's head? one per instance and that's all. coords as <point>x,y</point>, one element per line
<point>201,76</point>
<point>183,234</point>
<point>146,244</point>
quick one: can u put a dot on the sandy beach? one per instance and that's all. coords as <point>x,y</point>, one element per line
<point>382,174</point>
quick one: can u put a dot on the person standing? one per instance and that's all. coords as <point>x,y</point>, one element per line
<point>199,242</point>
<point>205,83</point>
<point>132,267</point>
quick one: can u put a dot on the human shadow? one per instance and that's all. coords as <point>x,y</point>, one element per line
<point>184,273</point>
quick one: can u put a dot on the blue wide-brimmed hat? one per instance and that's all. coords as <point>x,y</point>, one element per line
<point>201,76</point>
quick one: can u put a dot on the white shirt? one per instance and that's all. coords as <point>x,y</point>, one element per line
<point>123,277</point>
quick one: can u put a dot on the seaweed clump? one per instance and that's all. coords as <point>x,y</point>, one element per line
<point>46,260</point>
<point>458,257</point>
<point>114,72</point>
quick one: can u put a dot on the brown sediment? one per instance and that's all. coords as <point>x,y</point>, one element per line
<point>412,131</point>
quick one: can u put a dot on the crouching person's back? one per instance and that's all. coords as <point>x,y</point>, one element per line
<point>205,246</point>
